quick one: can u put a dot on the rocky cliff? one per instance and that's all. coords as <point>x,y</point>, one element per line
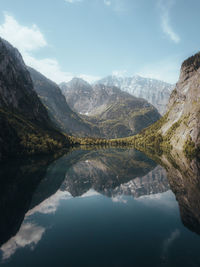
<point>24,121</point>
<point>182,121</point>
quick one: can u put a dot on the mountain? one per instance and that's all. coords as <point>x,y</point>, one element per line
<point>57,107</point>
<point>154,91</point>
<point>79,95</point>
<point>114,112</point>
<point>179,128</point>
<point>24,121</point>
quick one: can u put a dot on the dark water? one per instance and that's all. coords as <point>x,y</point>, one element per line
<point>109,207</point>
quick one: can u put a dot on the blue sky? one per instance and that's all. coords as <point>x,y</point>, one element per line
<point>96,38</point>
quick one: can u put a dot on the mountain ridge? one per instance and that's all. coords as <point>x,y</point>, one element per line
<point>116,113</point>
<point>154,91</point>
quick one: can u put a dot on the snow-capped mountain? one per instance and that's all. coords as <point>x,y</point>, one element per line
<point>154,91</point>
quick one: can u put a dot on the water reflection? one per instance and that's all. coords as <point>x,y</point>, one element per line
<point>28,235</point>
<point>184,178</point>
<point>37,187</point>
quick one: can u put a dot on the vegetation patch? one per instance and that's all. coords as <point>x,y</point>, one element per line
<point>190,149</point>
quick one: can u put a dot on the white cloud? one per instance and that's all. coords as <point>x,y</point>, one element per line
<point>165,7</point>
<point>29,39</point>
<point>28,235</point>
<point>24,38</point>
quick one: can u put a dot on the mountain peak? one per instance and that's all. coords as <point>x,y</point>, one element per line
<point>78,81</point>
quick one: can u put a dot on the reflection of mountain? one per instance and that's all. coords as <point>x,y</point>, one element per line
<point>107,171</point>
<point>154,182</point>
<point>111,171</point>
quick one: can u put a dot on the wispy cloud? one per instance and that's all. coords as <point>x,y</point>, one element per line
<point>116,5</point>
<point>73,1</point>
<point>107,2</point>
<point>29,39</point>
<point>165,7</point>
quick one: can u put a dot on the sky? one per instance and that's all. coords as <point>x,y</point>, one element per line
<point>95,38</point>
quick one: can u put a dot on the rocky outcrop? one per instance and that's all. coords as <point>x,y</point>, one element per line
<point>179,128</point>
<point>154,91</point>
<point>182,121</point>
<point>114,112</point>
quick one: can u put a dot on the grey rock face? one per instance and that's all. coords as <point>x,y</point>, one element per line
<point>16,88</point>
<point>24,122</point>
<point>184,106</point>
<point>154,91</point>
<point>114,112</point>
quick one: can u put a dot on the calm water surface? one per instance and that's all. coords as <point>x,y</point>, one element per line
<point>108,207</point>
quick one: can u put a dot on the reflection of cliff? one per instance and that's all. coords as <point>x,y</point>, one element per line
<point>18,182</point>
<point>114,172</point>
<point>184,179</point>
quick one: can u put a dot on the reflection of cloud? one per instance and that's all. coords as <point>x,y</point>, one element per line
<point>119,199</point>
<point>91,193</point>
<point>28,235</point>
<point>51,204</point>
<point>161,200</point>
<point>167,242</point>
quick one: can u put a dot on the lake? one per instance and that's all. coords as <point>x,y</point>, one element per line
<point>103,207</point>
